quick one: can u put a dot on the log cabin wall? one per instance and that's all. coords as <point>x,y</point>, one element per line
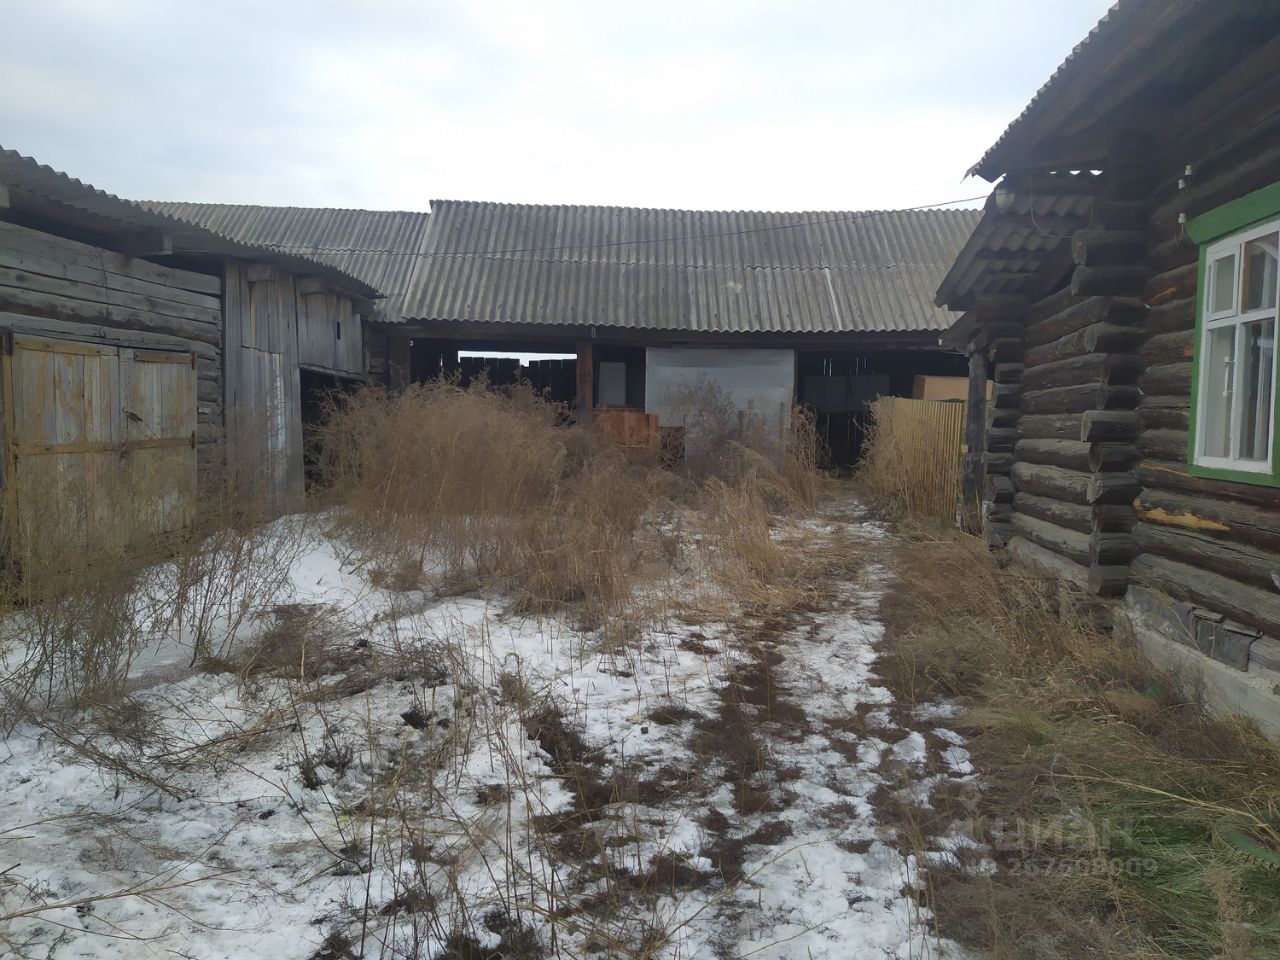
<point>1208,550</point>
<point>1060,445</point>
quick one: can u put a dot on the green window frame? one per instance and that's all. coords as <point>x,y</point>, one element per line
<point>1232,324</point>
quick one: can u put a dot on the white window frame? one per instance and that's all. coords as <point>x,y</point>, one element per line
<point>1234,245</point>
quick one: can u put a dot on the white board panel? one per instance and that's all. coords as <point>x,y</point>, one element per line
<point>760,382</point>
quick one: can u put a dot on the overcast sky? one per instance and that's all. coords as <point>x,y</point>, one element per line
<point>742,104</point>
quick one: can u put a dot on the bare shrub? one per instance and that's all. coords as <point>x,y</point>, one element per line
<point>477,487</point>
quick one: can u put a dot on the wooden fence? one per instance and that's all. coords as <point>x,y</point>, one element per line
<point>913,459</point>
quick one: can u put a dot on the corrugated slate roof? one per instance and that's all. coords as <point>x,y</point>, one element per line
<point>96,210</point>
<point>621,266</point>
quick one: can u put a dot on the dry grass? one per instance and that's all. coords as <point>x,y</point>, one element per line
<point>1123,821</point>
<point>911,462</point>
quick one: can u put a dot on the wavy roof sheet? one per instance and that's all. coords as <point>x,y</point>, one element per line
<point>869,271</point>
<point>92,209</point>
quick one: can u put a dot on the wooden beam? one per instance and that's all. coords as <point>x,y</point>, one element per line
<point>309,285</point>
<point>4,197</point>
<point>584,373</point>
<point>148,243</point>
<point>975,423</point>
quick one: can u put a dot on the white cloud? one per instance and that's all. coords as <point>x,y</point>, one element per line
<point>702,103</point>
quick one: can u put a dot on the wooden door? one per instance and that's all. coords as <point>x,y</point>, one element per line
<point>99,440</point>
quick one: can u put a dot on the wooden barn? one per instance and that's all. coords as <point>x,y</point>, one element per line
<point>140,351</point>
<point>828,308</point>
<point>1121,291</point>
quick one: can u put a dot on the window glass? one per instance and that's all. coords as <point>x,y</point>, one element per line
<point>1218,375</point>
<point>1222,285</point>
<point>1258,361</point>
<point>1259,282</point>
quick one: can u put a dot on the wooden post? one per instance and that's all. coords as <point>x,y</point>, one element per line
<point>399,372</point>
<point>584,399</point>
<point>975,442</point>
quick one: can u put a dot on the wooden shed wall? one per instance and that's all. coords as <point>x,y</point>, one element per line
<point>54,287</point>
<point>329,333</point>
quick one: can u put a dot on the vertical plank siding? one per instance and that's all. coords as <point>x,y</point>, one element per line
<point>923,442</point>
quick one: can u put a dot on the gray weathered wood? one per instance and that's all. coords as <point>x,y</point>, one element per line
<point>1070,486</point>
<point>1108,425</point>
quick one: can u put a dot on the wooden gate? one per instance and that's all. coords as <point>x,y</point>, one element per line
<point>99,441</point>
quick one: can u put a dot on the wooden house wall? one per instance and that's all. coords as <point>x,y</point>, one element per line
<point>54,287</point>
<point>1210,545</point>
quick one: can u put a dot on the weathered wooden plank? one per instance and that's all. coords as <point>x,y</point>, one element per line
<point>96,293</point>
<point>28,262</point>
<point>97,333</point>
<point>60,248</point>
<point>57,307</point>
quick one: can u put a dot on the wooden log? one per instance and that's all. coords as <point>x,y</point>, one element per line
<point>1209,516</point>
<point>1113,517</point>
<point>1122,369</point>
<point>1095,338</point>
<point>1118,396</point>
<point>1166,348</point>
<point>1072,516</point>
<point>1088,368</point>
<point>1108,581</point>
<point>1112,488</point>
<point>1109,456</point>
<point>1165,417</point>
<point>97,293</point>
<point>1176,284</point>
<point>1171,317</point>
<point>998,489</point>
<point>1116,281</point>
<point>1004,418</point>
<point>1163,444</point>
<point>1001,439</point>
<point>1176,476</point>
<point>1071,454</point>
<point>1036,559</point>
<point>999,512</point>
<point>1116,311</point>
<point>1050,306</point>
<point>1006,396</point>
<point>1112,549</point>
<point>1060,540</point>
<point>1239,561</point>
<point>1070,486</point>
<point>1171,253</point>
<point>1049,426</point>
<point>1008,373</point>
<point>1167,380</point>
<point>1242,602</point>
<point>1106,248</point>
<point>975,438</point>
<point>1122,214</point>
<point>1100,425</point>
<point>997,463</point>
<point>1073,399</point>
